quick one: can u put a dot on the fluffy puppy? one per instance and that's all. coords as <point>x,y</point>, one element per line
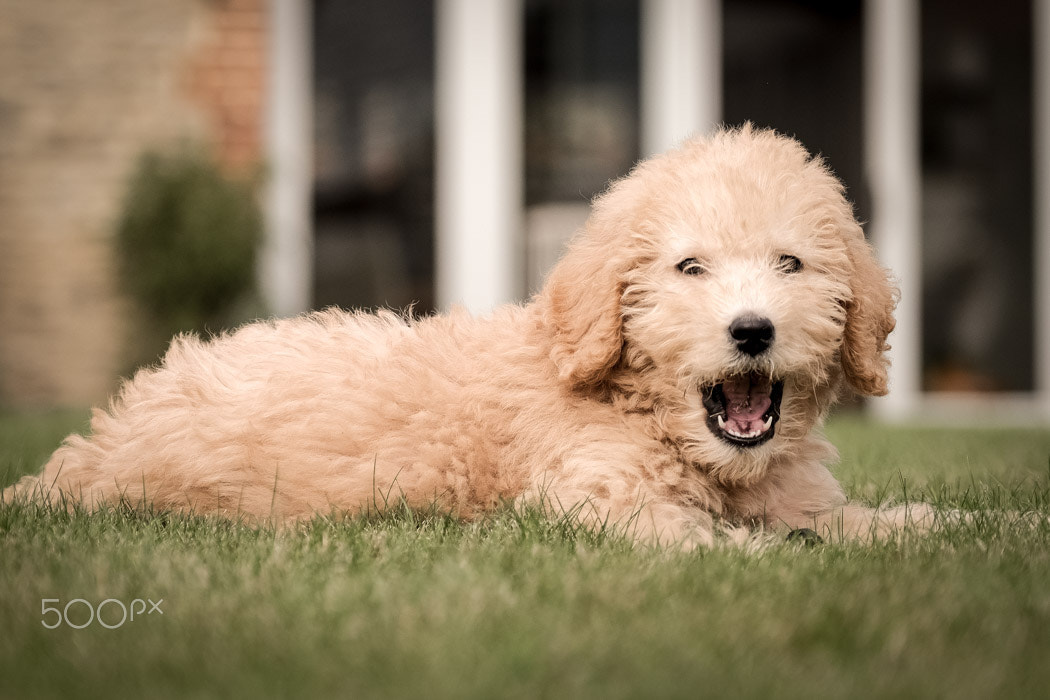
<point>667,379</point>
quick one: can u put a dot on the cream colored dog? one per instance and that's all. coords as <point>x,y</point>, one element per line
<point>667,379</point>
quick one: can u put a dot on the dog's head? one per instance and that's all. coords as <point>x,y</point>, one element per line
<point>730,271</point>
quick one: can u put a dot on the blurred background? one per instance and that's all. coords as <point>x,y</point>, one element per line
<point>190,164</point>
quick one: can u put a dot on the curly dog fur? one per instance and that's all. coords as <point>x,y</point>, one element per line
<point>670,377</point>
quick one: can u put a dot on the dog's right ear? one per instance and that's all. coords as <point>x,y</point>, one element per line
<point>582,310</point>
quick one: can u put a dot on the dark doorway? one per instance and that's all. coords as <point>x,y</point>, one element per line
<point>977,196</point>
<point>374,155</point>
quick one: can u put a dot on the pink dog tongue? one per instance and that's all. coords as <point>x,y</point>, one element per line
<point>747,398</point>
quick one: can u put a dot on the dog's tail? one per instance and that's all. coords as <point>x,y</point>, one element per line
<point>68,479</point>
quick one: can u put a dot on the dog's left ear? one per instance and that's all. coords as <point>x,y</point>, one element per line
<point>869,318</point>
<point>582,310</point>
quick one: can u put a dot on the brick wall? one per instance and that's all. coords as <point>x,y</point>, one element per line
<point>226,77</point>
<point>85,88</point>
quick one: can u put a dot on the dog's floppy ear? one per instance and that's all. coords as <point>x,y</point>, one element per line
<point>582,309</point>
<point>869,318</point>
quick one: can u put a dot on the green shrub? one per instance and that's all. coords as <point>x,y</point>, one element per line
<point>187,242</point>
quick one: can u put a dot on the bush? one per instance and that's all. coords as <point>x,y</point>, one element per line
<point>187,242</point>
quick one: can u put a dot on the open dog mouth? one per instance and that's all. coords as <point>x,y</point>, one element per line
<point>743,410</point>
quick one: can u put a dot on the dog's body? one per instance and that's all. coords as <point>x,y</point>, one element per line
<point>668,378</point>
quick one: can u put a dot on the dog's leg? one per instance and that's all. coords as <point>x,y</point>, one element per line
<point>631,488</point>
<point>808,497</point>
<point>637,516</point>
<point>857,522</point>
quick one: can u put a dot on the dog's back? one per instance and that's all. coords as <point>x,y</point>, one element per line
<point>285,419</point>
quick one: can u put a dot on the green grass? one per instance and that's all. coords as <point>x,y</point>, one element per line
<point>408,605</point>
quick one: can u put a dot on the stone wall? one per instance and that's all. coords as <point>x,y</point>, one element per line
<point>85,89</point>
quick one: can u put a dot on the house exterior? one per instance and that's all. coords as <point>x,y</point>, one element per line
<point>85,89</point>
<point>441,151</point>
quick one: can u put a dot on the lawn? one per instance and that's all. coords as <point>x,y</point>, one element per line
<point>412,605</point>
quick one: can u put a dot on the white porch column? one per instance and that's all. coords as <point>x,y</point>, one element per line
<point>891,105</point>
<point>479,104</point>
<point>1041,136</point>
<point>286,264</point>
<point>681,71</point>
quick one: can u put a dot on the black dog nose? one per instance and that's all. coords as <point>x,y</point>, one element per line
<point>753,334</point>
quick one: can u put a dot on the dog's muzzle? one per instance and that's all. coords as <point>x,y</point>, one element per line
<point>743,410</point>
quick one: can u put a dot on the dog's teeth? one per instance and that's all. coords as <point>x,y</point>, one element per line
<point>745,435</point>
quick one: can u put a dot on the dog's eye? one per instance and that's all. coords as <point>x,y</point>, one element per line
<point>789,264</point>
<point>691,266</point>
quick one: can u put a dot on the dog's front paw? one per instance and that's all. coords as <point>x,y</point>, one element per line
<point>805,536</point>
